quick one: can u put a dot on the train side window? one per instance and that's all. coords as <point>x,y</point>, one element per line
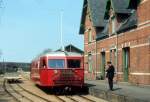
<point>72,63</point>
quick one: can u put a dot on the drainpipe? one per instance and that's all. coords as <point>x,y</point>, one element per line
<point>96,57</point>
<point>149,54</point>
<point>116,56</point>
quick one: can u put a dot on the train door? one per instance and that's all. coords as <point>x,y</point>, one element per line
<point>43,63</point>
<point>103,64</point>
<point>126,60</point>
<point>43,76</point>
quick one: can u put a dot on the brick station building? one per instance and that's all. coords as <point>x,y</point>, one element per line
<point>117,31</point>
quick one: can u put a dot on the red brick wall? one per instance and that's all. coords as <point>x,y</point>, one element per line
<point>89,47</point>
<point>139,54</point>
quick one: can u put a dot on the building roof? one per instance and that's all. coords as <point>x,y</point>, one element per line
<point>120,4</point>
<point>72,48</point>
<point>81,31</point>
<point>130,23</point>
<point>97,12</point>
<point>103,33</point>
<point>124,6</point>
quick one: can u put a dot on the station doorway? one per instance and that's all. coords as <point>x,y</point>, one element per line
<point>126,62</point>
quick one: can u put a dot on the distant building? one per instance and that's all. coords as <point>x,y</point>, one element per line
<point>13,66</point>
<point>72,48</point>
<point>117,31</point>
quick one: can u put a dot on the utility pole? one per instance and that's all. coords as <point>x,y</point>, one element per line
<point>0,53</point>
<point>61,33</point>
<point>1,63</point>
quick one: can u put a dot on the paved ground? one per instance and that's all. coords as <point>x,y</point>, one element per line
<point>123,92</point>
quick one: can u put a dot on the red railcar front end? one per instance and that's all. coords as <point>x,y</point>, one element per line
<point>60,70</point>
<point>63,72</point>
<point>70,77</point>
<point>62,77</point>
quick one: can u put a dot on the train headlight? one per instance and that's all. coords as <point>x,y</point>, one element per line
<point>75,71</point>
<point>55,71</point>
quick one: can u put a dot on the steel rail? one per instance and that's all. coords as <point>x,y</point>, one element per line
<point>39,95</point>
<point>12,94</point>
<point>86,98</point>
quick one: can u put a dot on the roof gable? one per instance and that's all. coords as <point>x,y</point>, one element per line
<point>84,10</point>
<point>72,48</point>
<point>97,11</point>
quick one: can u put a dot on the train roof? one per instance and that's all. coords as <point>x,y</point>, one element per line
<point>59,54</point>
<point>63,53</point>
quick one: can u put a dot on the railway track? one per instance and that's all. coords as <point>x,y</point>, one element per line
<point>78,98</point>
<point>28,92</point>
<point>64,98</point>
<point>58,98</point>
<point>21,95</point>
<point>4,96</point>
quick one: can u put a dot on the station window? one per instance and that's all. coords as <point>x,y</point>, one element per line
<point>90,35</point>
<point>72,63</point>
<point>111,55</point>
<point>113,25</point>
<point>90,62</point>
<point>56,63</point>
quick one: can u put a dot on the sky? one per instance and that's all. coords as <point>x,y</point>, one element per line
<point>27,27</point>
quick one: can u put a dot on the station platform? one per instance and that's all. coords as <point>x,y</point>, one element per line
<point>123,92</point>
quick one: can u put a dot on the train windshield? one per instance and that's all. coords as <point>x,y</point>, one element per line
<point>73,63</point>
<point>56,63</point>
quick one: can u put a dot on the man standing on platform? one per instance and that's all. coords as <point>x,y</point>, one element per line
<point>110,74</point>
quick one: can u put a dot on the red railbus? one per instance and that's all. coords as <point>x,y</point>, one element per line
<point>58,69</point>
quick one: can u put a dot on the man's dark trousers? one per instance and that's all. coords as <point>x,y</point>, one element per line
<point>110,81</point>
